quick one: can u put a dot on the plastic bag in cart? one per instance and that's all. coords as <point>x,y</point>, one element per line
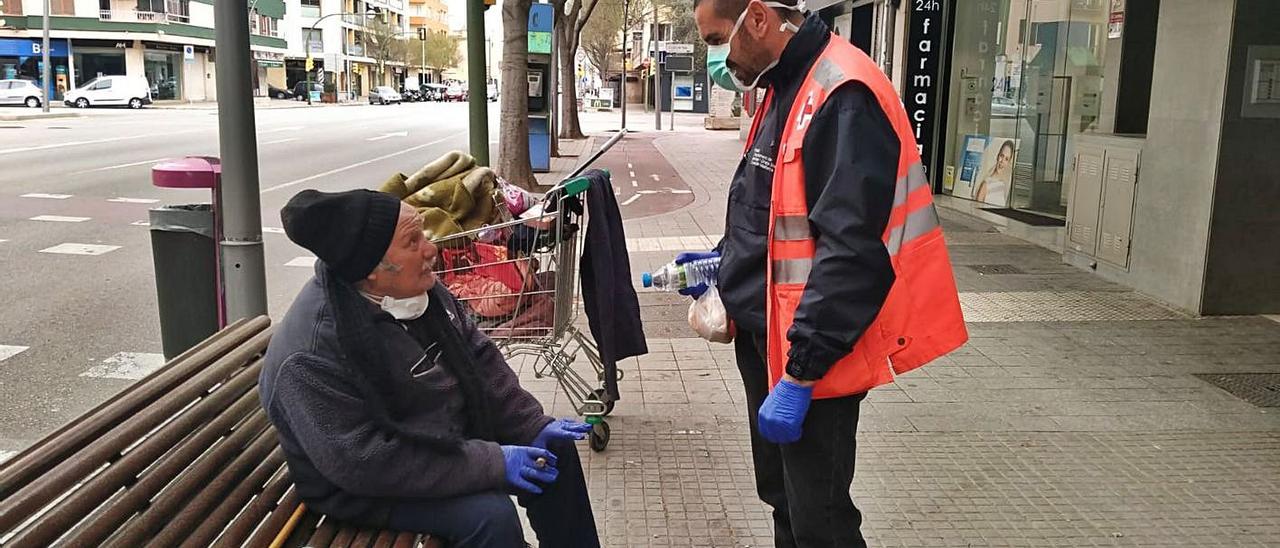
<point>709,319</point>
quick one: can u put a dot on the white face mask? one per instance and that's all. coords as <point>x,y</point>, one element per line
<point>411,308</point>
<point>726,48</point>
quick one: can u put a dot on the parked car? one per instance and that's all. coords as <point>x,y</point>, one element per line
<point>411,95</point>
<point>300,89</point>
<point>434,92</point>
<point>21,92</point>
<point>383,95</point>
<point>278,93</point>
<point>133,91</point>
<point>455,92</point>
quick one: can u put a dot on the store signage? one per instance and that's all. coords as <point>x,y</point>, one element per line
<point>1115,22</point>
<point>923,81</point>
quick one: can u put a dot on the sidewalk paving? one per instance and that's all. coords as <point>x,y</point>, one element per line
<point>1074,417</point>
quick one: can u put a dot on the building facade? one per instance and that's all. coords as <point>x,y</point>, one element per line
<point>170,42</point>
<point>1134,137</point>
<point>431,16</point>
<point>342,37</point>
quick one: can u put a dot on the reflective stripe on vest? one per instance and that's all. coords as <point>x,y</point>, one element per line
<point>921,318</point>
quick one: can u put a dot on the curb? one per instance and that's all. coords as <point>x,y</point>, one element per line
<point>37,116</point>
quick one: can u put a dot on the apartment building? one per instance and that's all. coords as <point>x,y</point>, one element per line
<point>170,42</point>
<point>337,35</point>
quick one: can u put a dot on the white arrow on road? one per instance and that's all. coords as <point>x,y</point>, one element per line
<point>389,135</point>
<point>631,200</point>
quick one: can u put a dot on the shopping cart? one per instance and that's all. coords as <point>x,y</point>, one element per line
<point>519,282</point>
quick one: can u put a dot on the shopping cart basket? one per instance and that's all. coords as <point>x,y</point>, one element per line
<point>519,282</point>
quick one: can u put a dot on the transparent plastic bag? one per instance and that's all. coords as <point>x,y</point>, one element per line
<point>709,319</point>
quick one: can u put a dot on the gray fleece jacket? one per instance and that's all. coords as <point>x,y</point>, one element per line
<point>342,463</point>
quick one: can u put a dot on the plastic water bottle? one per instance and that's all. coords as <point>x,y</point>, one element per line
<point>674,277</point>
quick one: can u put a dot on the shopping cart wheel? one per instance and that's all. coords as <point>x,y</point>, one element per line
<point>599,437</point>
<point>600,376</point>
<point>599,395</point>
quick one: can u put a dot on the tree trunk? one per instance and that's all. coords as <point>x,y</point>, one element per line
<point>570,128</point>
<point>513,143</point>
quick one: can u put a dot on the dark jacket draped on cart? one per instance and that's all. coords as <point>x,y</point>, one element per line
<point>608,296</point>
<point>426,431</point>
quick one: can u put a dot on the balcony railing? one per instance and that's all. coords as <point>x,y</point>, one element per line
<point>135,16</point>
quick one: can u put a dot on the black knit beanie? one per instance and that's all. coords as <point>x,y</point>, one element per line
<point>350,231</point>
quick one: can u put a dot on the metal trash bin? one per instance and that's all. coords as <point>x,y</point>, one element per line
<point>185,254</point>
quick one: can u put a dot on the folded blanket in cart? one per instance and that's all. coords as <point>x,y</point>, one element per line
<point>452,194</point>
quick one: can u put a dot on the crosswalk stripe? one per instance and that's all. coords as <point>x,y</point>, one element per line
<point>41,195</point>
<point>59,219</point>
<point>80,249</point>
<point>129,366</point>
<point>302,262</point>
<point>9,351</point>
<point>133,200</point>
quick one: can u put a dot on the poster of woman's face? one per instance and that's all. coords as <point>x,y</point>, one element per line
<point>987,174</point>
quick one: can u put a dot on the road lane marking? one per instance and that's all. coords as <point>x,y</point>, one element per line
<point>41,195</point>
<point>121,166</point>
<point>635,183</point>
<point>655,177</point>
<point>272,230</point>
<point>95,141</point>
<point>633,175</point>
<point>280,129</point>
<point>140,223</point>
<point>3,241</point>
<point>59,219</point>
<point>360,164</point>
<point>674,191</point>
<point>302,262</point>
<point>279,141</point>
<point>129,366</point>
<point>6,455</point>
<point>80,249</point>
<point>631,200</point>
<point>133,200</point>
<point>629,166</point>
<point>389,135</point>
<point>9,351</point>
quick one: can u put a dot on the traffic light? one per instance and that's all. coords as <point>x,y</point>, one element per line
<point>422,34</point>
<point>311,64</point>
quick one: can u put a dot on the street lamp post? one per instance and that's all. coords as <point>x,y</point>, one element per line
<point>626,37</point>
<point>369,14</point>
<point>46,72</point>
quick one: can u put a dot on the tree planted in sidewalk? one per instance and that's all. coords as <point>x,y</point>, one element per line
<point>385,44</point>
<point>603,34</point>
<point>438,52</point>
<point>571,17</point>
<point>513,143</point>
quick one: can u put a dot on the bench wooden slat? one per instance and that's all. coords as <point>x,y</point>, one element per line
<point>408,540</point>
<point>302,531</point>
<point>206,496</point>
<point>170,501</point>
<point>232,504</point>
<point>364,538</point>
<point>323,535</point>
<point>43,490</point>
<point>55,448</point>
<point>344,538</point>
<point>276,520</point>
<point>124,471</point>
<point>247,522</point>
<point>384,539</point>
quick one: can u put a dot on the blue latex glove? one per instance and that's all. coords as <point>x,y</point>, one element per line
<point>782,414</point>
<point>697,290</point>
<point>523,467</point>
<point>562,429</point>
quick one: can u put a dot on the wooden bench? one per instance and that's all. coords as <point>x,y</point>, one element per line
<point>185,457</point>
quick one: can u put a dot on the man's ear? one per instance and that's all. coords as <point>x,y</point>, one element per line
<point>757,19</point>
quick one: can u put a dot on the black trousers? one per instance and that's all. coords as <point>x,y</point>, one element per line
<point>807,483</point>
<point>561,516</point>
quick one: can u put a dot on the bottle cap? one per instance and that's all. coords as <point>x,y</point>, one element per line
<point>646,279</point>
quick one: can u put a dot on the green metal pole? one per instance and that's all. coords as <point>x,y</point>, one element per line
<point>477,96</point>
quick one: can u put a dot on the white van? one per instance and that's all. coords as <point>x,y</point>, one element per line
<point>110,90</point>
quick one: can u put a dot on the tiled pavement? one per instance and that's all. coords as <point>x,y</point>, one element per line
<point>1072,418</point>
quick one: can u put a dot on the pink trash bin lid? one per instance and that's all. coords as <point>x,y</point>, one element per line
<point>191,172</point>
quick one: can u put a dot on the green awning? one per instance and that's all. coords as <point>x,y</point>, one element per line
<point>271,8</point>
<point>265,63</point>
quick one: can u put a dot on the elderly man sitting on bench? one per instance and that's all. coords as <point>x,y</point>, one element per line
<point>393,410</point>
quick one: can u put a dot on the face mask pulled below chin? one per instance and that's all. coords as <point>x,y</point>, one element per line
<point>411,308</point>
<point>787,26</point>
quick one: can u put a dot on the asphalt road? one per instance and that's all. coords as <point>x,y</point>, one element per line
<point>73,323</point>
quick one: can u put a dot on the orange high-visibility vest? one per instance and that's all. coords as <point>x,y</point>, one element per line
<point>921,319</point>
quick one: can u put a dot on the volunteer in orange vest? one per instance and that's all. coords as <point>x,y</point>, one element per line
<point>833,266</point>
